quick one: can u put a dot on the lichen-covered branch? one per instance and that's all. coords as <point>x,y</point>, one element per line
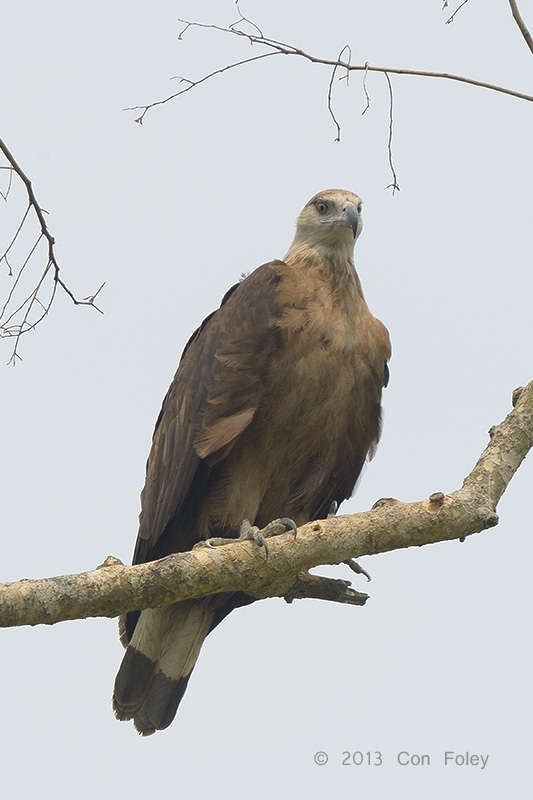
<point>113,588</point>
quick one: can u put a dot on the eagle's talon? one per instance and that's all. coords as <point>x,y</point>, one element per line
<point>290,524</point>
<point>334,506</point>
<point>261,542</point>
<point>251,533</point>
<point>213,541</point>
<point>357,568</point>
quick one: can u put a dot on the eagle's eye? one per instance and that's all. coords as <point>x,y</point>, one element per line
<point>321,207</point>
<point>359,208</point>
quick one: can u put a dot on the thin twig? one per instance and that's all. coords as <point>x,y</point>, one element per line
<point>33,299</point>
<point>455,12</point>
<point>282,48</point>
<point>192,84</point>
<point>242,18</point>
<point>5,194</point>
<point>14,239</point>
<point>15,283</point>
<point>394,185</point>
<point>521,24</point>
<point>330,89</point>
<point>365,109</point>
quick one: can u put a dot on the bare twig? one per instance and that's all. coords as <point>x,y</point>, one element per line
<point>192,84</point>
<point>367,106</point>
<point>282,48</point>
<point>450,19</point>
<point>9,327</point>
<point>5,194</point>
<point>394,185</point>
<point>521,24</point>
<point>242,18</point>
<point>330,88</point>
<point>15,236</point>
<point>113,588</point>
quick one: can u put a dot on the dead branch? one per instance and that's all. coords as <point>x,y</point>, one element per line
<point>516,14</point>
<point>459,7</point>
<point>14,322</point>
<point>367,96</point>
<point>307,586</point>
<point>330,89</point>
<point>275,48</point>
<point>394,185</point>
<point>282,48</point>
<point>521,24</point>
<point>113,588</point>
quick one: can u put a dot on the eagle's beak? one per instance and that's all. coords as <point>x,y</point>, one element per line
<point>348,218</point>
<point>351,218</point>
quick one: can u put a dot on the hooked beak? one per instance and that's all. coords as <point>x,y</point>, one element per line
<point>351,218</point>
<point>348,218</point>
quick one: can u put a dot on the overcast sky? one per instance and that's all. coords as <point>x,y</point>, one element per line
<point>169,214</point>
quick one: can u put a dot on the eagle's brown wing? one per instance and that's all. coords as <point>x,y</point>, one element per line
<point>214,395</point>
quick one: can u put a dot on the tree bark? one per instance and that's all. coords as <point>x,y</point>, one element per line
<point>112,588</point>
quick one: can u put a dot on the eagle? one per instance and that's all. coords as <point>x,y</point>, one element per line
<point>274,408</point>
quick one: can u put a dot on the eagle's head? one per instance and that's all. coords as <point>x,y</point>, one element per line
<point>330,223</point>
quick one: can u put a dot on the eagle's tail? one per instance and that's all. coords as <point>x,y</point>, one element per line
<point>157,665</point>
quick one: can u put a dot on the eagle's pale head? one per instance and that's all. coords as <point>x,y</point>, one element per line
<point>330,223</point>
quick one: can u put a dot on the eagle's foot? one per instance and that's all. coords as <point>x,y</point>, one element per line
<point>354,566</point>
<point>248,532</point>
<point>357,568</point>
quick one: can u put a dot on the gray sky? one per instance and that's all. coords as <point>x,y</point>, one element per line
<point>169,214</point>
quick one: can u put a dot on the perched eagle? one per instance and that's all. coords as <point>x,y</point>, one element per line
<point>274,408</point>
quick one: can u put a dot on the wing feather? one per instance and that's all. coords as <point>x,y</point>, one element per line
<point>213,397</point>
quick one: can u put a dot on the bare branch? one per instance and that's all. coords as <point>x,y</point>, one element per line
<point>521,24</point>
<point>15,236</point>
<point>450,19</point>
<point>367,106</point>
<point>394,185</point>
<point>330,88</point>
<point>5,194</point>
<point>242,18</point>
<point>114,589</point>
<point>307,586</point>
<point>9,327</point>
<point>282,48</point>
<point>192,84</point>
